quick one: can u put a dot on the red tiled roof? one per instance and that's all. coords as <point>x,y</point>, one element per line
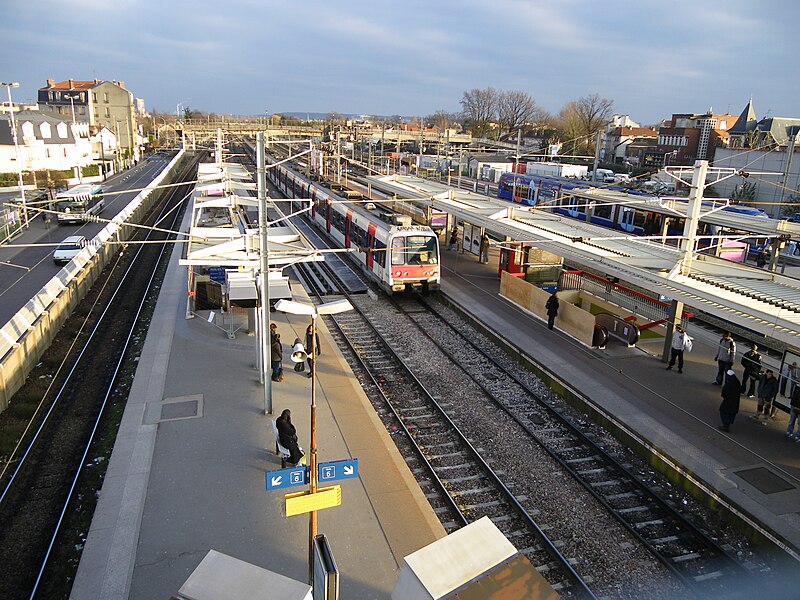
<point>76,85</point>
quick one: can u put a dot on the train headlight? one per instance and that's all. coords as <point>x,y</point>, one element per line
<point>398,273</point>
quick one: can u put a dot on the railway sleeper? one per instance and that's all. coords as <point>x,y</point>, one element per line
<point>708,576</point>
<point>606,483</point>
<point>686,557</point>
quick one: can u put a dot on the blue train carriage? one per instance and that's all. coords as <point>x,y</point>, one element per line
<point>568,197</point>
<point>396,254</point>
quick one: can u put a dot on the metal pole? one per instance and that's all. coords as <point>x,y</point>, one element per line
<point>693,215</point>
<point>312,462</point>
<point>596,155</point>
<point>266,346</point>
<point>18,153</point>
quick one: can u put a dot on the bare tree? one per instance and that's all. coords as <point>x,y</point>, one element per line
<point>581,119</point>
<point>441,120</point>
<point>515,110</point>
<point>480,109</point>
<point>335,118</point>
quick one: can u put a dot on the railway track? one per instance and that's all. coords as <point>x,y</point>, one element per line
<point>687,550</point>
<point>45,494</point>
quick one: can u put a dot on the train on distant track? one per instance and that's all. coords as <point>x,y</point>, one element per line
<point>396,254</point>
<point>564,196</point>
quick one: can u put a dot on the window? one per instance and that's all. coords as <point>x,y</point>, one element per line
<point>602,211</point>
<point>27,129</point>
<point>94,97</point>
<point>379,253</point>
<point>108,112</point>
<point>398,251</point>
<point>61,129</point>
<point>105,97</point>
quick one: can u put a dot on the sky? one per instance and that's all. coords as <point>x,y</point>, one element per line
<point>413,58</point>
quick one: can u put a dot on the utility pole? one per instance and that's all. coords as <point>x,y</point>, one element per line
<point>265,342</point>
<point>596,154</point>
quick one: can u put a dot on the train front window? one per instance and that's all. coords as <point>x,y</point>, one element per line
<point>415,250</point>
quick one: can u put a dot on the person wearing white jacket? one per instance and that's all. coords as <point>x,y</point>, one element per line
<point>680,340</point>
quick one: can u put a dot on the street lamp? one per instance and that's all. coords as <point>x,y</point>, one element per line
<point>72,98</point>
<point>8,86</point>
<point>312,310</point>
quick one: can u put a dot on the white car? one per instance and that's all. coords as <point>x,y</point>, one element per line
<point>67,250</point>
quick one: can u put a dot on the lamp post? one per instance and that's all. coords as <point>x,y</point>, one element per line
<point>299,308</point>
<point>72,98</point>
<point>8,86</point>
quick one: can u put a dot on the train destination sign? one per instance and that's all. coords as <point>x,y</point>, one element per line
<point>286,477</point>
<point>337,469</point>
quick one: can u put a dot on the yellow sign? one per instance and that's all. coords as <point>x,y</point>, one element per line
<point>303,502</point>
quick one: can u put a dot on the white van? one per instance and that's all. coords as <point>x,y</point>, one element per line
<point>67,249</point>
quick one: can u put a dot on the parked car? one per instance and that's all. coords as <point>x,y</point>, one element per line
<point>67,249</point>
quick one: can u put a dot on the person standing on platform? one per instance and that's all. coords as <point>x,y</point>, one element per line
<point>730,400</point>
<point>273,330</point>
<point>287,436</point>
<point>277,358</point>
<point>751,361</point>
<point>726,354</point>
<point>552,309</point>
<point>484,249</point>
<point>453,239</point>
<point>679,339</point>
<point>767,390</point>
<point>794,414</point>
<point>309,339</point>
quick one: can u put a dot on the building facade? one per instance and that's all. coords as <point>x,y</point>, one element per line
<point>100,103</point>
<point>688,137</point>
<point>769,151</point>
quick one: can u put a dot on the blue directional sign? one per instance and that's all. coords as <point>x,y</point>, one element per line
<point>286,477</point>
<point>338,469</point>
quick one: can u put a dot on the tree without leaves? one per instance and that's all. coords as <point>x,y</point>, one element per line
<point>515,110</point>
<point>441,120</point>
<point>480,109</point>
<point>581,119</point>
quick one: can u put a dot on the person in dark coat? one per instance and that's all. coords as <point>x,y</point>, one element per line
<point>731,390</point>
<point>310,358</point>
<point>552,309</point>
<point>277,358</point>
<point>484,248</point>
<point>767,390</point>
<point>287,436</point>
<point>751,361</point>
<point>453,239</point>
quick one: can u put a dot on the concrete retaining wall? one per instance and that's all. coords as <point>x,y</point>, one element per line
<point>571,319</point>
<point>26,336</point>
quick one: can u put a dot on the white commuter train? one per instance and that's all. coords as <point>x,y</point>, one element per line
<point>396,254</point>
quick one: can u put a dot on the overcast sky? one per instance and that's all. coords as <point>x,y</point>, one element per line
<point>413,57</point>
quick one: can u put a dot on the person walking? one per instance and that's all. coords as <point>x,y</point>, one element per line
<point>679,339</point>
<point>453,239</point>
<point>730,400</point>
<point>767,390</point>
<point>726,354</point>
<point>309,339</point>
<point>552,309</point>
<point>277,358</point>
<point>794,414</point>
<point>287,436</point>
<point>751,361</point>
<point>484,248</point>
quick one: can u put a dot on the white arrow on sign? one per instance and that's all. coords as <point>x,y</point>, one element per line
<point>276,480</point>
<point>348,469</point>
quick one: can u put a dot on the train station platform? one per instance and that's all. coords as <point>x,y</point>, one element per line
<point>754,470</point>
<point>187,474</point>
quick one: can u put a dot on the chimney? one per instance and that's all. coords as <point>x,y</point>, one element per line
<point>121,84</point>
<point>51,82</point>
<point>72,84</point>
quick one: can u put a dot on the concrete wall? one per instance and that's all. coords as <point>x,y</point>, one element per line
<point>24,339</point>
<point>571,319</point>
